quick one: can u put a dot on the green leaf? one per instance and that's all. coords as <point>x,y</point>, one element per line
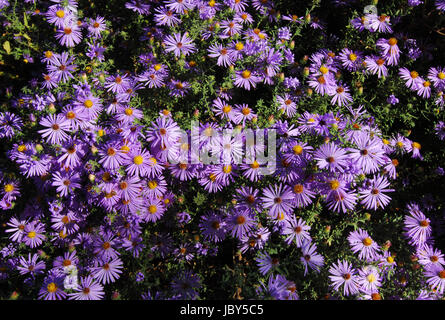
<point>7,47</point>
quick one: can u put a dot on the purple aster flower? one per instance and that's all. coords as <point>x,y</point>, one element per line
<point>222,53</point>
<point>424,89</point>
<point>96,26</point>
<point>58,15</point>
<point>331,157</point>
<point>213,227</point>
<point>70,34</point>
<point>361,243</point>
<point>266,263</point>
<point>186,284</point>
<point>389,50</point>
<point>240,223</point>
<point>179,44</point>
<point>372,196</point>
<point>163,17</point>
<point>88,289</point>
<point>296,229</point>
<point>154,209</point>
<point>17,228</point>
<point>138,6</point>
<point>57,128</point>
<point>52,288</point>
<point>107,271</point>
<point>287,104</point>
<point>33,234</point>
<point>369,279</point>
<point>412,79</point>
<point>310,257</point>
<point>379,23</point>
<point>66,182</point>
<point>117,84</point>
<point>376,65</point>
<point>417,226</point>
<point>351,60</point>
<point>246,79</point>
<point>429,256</point>
<point>279,200</point>
<point>343,274</point>
<point>31,265</point>
<point>392,99</point>
<point>435,278</point>
<point>137,161</point>
<point>440,130</point>
<point>112,157</point>
<point>369,154</point>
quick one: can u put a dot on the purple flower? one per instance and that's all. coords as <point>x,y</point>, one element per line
<point>372,196</point>
<point>361,243</point>
<point>296,230</point>
<point>57,128</point>
<point>213,227</point>
<point>88,289</point>
<point>52,288</point>
<point>246,79</point>
<point>31,265</point>
<point>436,278</point>
<point>343,274</point>
<point>266,263</point>
<point>278,199</point>
<point>107,271</point>
<point>179,44</point>
<point>331,157</point>
<point>33,234</point>
<point>310,257</point>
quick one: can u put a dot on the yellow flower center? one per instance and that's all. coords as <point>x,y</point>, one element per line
<point>138,160</point>
<point>125,148</point>
<point>414,74</point>
<point>371,278</point>
<point>60,13</point>
<point>392,41</point>
<point>334,184</point>
<point>297,149</point>
<point>88,104</point>
<point>208,131</point>
<point>52,287</point>
<point>227,169</point>
<point>298,188</point>
<point>441,75</point>
<point>239,46</point>
<point>9,188</point>
<point>390,259</point>
<point>153,209</point>
<point>128,111</point>
<point>153,160</point>
<point>211,3</point>
<point>416,145</point>
<point>367,241</point>
<point>255,165</point>
<point>245,111</point>
<point>227,109</point>
<point>324,69</point>
<point>32,234</point>
<point>152,184</point>
<point>246,74</point>
<point>352,57</point>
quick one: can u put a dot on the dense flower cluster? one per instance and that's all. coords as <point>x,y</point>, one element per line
<point>95,177</point>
